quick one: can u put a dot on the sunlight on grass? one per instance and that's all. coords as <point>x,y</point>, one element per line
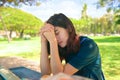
<point>24,48</point>
<point>110,53</point>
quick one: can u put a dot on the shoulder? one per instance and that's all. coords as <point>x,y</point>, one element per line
<point>87,54</point>
<point>88,46</point>
<point>86,40</point>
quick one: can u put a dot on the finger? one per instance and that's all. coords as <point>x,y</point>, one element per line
<point>43,29</point>
<point>46,30</point>
<point>48,25</point>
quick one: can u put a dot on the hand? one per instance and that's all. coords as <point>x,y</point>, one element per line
<point>41,35</point>
<point>45,28</point>
<point>49,33</point>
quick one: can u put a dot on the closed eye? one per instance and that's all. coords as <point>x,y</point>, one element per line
<point>56,32</point>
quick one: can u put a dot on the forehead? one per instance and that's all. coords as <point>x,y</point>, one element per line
<point>58,28</point>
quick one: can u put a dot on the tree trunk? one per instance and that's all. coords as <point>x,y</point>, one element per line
<point>10,34</point>
<point>5,28</point>
<point>21,33</point>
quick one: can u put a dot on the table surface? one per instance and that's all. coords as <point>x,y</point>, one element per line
<point>19,73</point>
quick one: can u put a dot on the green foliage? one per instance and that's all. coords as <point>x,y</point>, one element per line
<point>76,24</point>
<point>83,25</point>
<point>117,17</point>
<point>109,4</point>
<point>17,20</point>
<point>105,24</point>
<point>16,3</point>
<point>112,6</point>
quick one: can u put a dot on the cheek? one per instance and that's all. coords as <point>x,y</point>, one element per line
<point>64,37</point>
<point>60,37</point>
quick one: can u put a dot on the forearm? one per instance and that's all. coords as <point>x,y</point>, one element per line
<point>56,65</point>
<point>44,60</point>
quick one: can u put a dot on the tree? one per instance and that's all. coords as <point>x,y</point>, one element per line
<point>117,21</point>
<point>84,12</point>
<point>19,21</point>
<point>5,29</point>
<point>111,4</point>
<point>86,21</point>
<point>18,2</point>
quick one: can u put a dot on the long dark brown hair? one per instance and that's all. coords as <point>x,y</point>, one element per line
<point>73,44</point>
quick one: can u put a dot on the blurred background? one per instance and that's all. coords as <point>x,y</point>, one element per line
<point>20,21</point>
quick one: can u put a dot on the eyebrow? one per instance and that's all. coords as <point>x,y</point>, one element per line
<point>56,30</point>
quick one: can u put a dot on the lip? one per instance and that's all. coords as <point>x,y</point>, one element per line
<point>60,42</point>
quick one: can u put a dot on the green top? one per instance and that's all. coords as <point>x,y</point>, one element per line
<point>87,60</point>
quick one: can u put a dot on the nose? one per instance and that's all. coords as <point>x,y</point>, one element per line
<point>57,37</point>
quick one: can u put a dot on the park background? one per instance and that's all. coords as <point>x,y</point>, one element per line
<point>19,29</point>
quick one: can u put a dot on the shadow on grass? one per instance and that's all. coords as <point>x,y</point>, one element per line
<point>108,39</point>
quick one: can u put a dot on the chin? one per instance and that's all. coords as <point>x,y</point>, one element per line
<point>62,46</point>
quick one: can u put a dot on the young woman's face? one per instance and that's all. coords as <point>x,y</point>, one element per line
<point>61,36</point>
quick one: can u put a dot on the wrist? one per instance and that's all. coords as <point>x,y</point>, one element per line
<point>43,41</point>
<point>54,41</point>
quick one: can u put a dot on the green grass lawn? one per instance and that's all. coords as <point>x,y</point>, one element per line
<point>109,49</point>
<point>110,53</point>
<point>25,48</point>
